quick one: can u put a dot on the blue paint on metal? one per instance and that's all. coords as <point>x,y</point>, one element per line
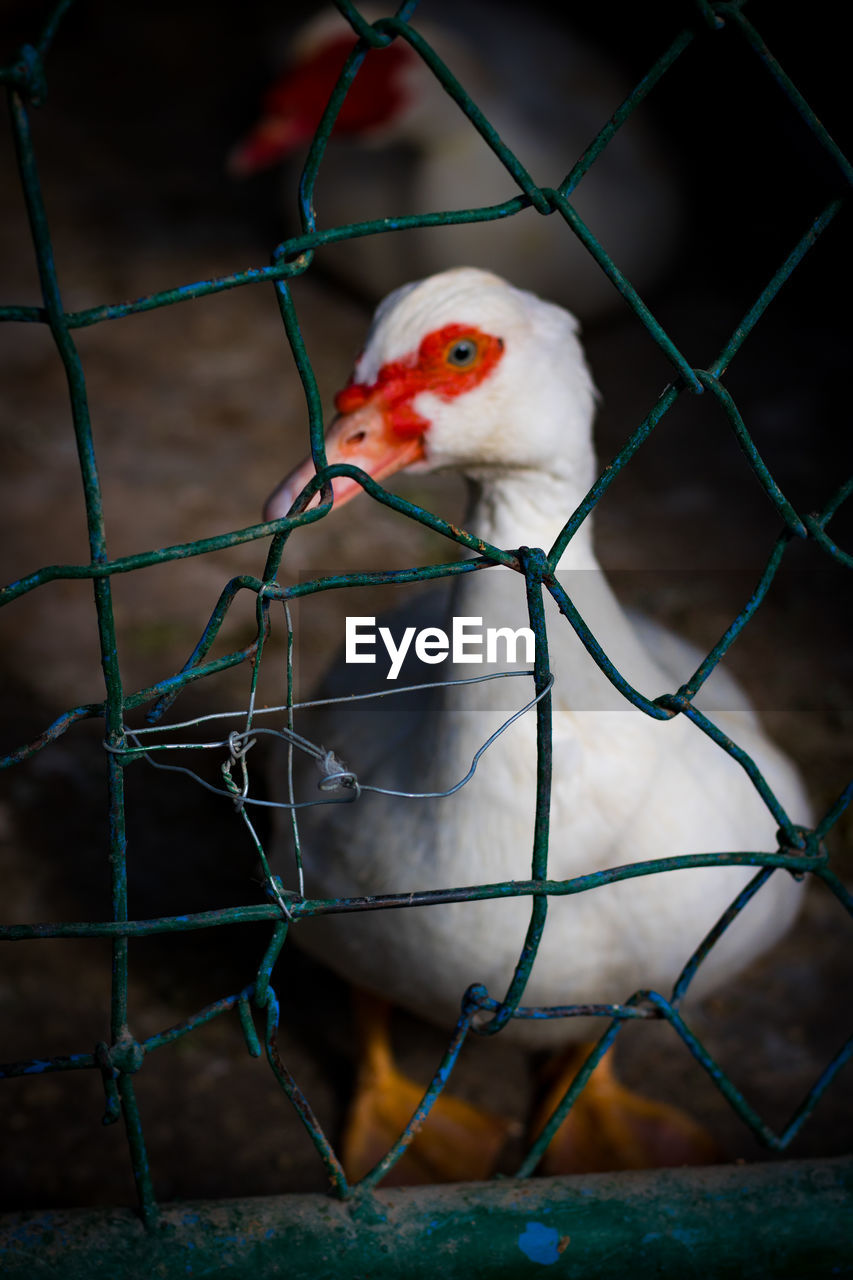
<point>540,1243</point>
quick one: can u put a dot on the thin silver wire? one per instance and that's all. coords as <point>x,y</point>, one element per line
<point>325,702</point>
<point>336,775</point>
<point>291,795</point>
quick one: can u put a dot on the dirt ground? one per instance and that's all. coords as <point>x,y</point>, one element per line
<point>198,411</point>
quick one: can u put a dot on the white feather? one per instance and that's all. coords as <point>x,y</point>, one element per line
<point>626,788</point>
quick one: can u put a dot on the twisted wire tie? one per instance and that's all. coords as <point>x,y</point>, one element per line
<point>335,774</point>
<point>238,754</point>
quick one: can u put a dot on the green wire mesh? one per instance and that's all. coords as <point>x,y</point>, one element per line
<point>800,851</point>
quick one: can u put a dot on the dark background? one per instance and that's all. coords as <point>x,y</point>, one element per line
<point>197,411</point>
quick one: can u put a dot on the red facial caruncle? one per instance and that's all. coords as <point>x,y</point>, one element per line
<point>379,429</point>
<point>449,362</point>
<point>373,98</point>
<point>293,106</point>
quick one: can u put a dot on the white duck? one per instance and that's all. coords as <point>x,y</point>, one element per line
<point>462,370</point>
<point>545,91</point>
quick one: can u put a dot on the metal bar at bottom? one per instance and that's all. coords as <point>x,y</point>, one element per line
<point>792,1218</point>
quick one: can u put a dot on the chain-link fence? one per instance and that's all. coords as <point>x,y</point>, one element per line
<point>281,906</point>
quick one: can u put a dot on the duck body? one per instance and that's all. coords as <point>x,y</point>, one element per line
<point>545,91</point>
<point>625,787</point>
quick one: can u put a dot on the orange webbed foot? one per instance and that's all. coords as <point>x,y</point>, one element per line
<point>610,1127</point>
<point>459,1142</point>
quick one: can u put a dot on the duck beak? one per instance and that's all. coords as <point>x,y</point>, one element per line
<point>364,439</point>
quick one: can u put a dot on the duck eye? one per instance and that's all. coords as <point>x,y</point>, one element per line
<point>462,354</point>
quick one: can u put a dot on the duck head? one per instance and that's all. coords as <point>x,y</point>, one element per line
<point>462,370</point>
<point>388,83</point>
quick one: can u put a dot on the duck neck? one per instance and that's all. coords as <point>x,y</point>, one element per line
<point>529,508</point>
